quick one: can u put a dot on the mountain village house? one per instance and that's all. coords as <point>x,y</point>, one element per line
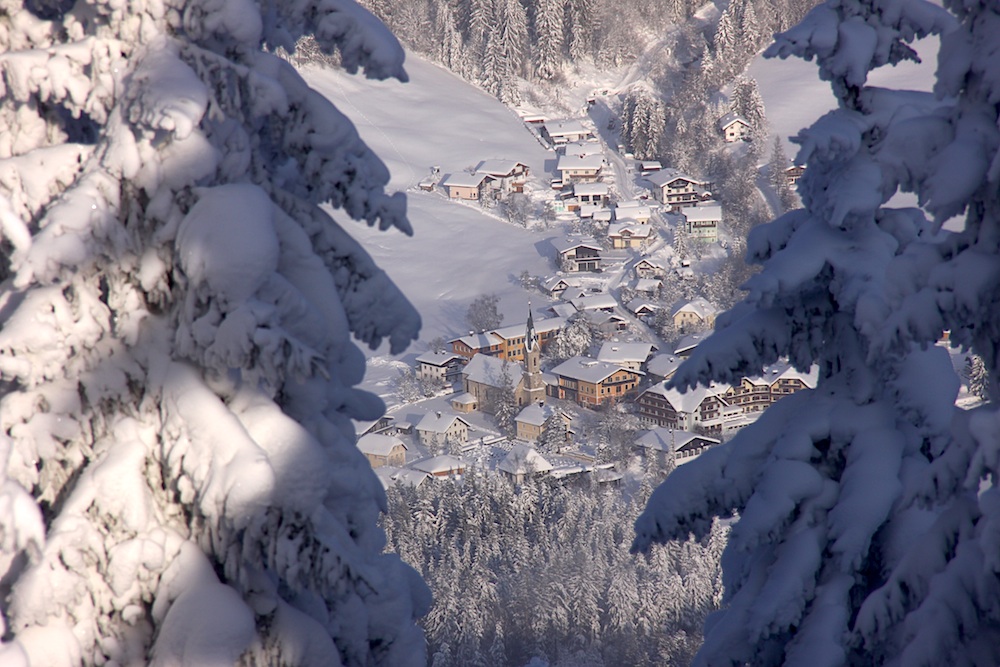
<point>675,189</point>
<point>578,255</point>
<point>486,377</point>
<point>629,235</point>
<point>735,127</point>
<point>470,187</point>
<point>643,308</point>
<point>703,222</point>
<point>383,450</point>
<point>530,422</point>
<point>698,313</point>
<point>794,173</point>
<point>438,429</point>
<point>442,367</point>
<point>663,444</point>
<point>647,268</point>
<point>507,342</point>
<point>440,467</point>
<point>559,132</point>
<point>593,383</point>
<point>579,168</point>
<point>523,461</point>
<point>507,175</point>
<point>632,210</point>
<point>632,356</point>
<point>595,194</point>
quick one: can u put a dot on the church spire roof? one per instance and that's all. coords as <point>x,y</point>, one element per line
<point>530,336</point>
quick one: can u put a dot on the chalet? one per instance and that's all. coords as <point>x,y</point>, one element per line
<point>523,461</point>
<point>632,210</point>
<point>664,444</point>
<point>607,324</point>
<point>440,367</point>
<point>644,309</point>
<point>686,345</point>
<point>579,168</point>
<point>794,173</point>
<point>438,429</point>
<point>530,422</point>
<point>646,268</point>
<point>695,314</point>
<point>649,166</point>
<point>675,189</point>
<point>629,235</point>
<point>576,256</point>
<point>507,175</point>
<point>590,302</point>
<point>384,424</point>
<point>632,356</point>
<point>383,450</point>
<point>735,127</point>
<point>649,287</point>
<point>582,148</point>
<point>595,194</point>
<point>556,285</point>
<point>531,118</point>
<point>477,343</point>
<point>470,187</point>
<point>706,407</point>
<point>593,383</point>
<point>440,467</point>
<point>559,132</point>
<point>663,366</point>
<point>756,394</point>
<point>703,222</point>
<point>389,475</point>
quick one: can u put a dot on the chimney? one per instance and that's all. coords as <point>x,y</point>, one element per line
<point>438,413</point>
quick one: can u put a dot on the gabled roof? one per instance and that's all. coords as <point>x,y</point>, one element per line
<point>439,464</point>
<point>439,422</point>
<point>554,282</point>
<point>650,263</point>
<point>389,476</point>
<point>620,353</point>
<point>566,244</point>
<point>648,284</point>
<point>639,306</point>
<point>536,414</point>
<point>464,180</point>
<point>630,211</point>
<point>689,400</point>
<point>664,365</point>
<point>620,229</point>
<point>785,371</point>
<point>541,326</point>
<point>589,162</point>
<point>731,118</point>
<point>559,128</point>
<point>651,165</point>
<point>478,341</point>
<point>589,370</point>
<point>594,302</point>
<point>438,358</point>
<point>499,168</point>
<point>487,370</point>
<point>590,189</point>
<point>377,444</point>
<point>666,176</point>
<point>703,213</point>
<point>698,306</point>
<point>522,460</point>
<point>582,148</point>
<point>664,439</point>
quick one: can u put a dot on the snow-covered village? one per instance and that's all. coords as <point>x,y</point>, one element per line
<point>499,333</point>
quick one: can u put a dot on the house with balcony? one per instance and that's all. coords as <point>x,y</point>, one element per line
<point>578,255</point>
<point>675,189</point>
<point>593,383</point>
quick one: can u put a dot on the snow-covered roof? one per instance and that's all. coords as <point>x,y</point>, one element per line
<point>602,215</point>
<point>691,341</point>
<point>464,180</point>
<point>560,282</point>
<point>522,460</point>
<point>687,401</point>
<point>731,118</point>
<point>667,439</point>
<point>648,284</point>
<point>620,229</point>
<point>500,168</point>
<point>567,243</point>
<point>439,422</point>
<point>389,475</point>
<point>594,302</point>
<point>377,444</point>
<point>651,165</point>
<point>588,370</point>
<point>588,162</point>
<point>646,261</point>
<point>541,326</point>
<point>639,305</point>
<point>663,365</point>
<point>465,398</point>
<point>536,414</point>
<point>637,213</point>
<point>563,309</point>
<point>438,358</point>
<point>782,370</point>
<point>439,464</point>
<point>620,353</point>
<point>703,213</point>
<point>698,306</point>
<point>583,148</point>
<point>590,189</point>
<point>477,341</point>
<point>666,176</point>
<point>562,128</point>
<point>488,370</point>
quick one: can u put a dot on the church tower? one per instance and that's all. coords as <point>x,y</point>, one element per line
<point>534,385</point>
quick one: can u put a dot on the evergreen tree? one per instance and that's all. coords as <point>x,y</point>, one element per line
<point>882,550</point>
<point>977,377</point>
<point>548,37</point>
<point>177,483</point>
<point>778,179</point>
<point>504,402</point>
<point>747,102</point>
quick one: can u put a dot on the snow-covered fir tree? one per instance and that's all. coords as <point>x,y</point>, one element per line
<point>180,484</point>
<point>548,41</point>
<point>747,102</point>
<point>778,179</point>
<point>977,377</point>
<point>868,518</point>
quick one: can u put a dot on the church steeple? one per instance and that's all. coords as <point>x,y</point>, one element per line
<point>534,384</point>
